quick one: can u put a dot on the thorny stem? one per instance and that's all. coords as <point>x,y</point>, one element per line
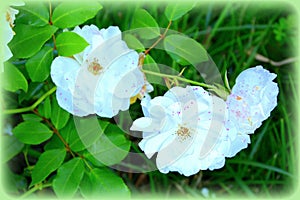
<point>159,39</point>
<point>33,106</point>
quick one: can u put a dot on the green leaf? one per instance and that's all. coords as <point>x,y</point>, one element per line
<point>70,43</point>
<point>14,183</point>
<point>31,117</point>
<point>103,182</point>
<point>69,133</point>
<point>59,117</point>
<point>185,50</point>
<point>70,14</point>
<point>111,147</point>
<point>38,66</point>
<point>145,24</point>
<point>68,178</point>
<point>34,92</point>
<point>150,65</point>
<point>54,143</point>
<point>89,130</point>
<point>30,39</point>
<point>45,108</point>
<point>13,79</point>
<point>176,10</point>
<point>48,162</point>
<point>35,14</point>
<point>10,147</point>
<point>133,43</point>
<point>31,132</point>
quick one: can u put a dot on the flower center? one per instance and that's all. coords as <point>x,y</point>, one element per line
<point>183,132</point>
<point>95,68</point>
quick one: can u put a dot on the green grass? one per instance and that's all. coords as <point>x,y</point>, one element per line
<point>233,34</point>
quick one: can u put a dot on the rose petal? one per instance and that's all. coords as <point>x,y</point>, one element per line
<point>240,142</point>
<point>74,106</point>
<point>64,72</point>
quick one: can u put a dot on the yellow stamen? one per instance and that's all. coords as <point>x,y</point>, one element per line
<point>95,68</point>
<point>238,98</point>
<point>183,132</point>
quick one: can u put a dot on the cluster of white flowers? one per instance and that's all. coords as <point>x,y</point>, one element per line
<point>189,128</point>
<point>193,130</point>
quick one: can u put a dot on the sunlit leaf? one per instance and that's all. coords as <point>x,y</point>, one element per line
<point>111,147</point>
<point>70,43</point>
<point>70,14</point>
<point>45,108</point>
<point>32,132</point>
<point>145,24</point>
<point>30,39</point>
<point>175,10</point>
<point>150,65</point>
<point>185,50</point>
<point>68,178</point>
<point>48,162</point>
<point>36,14</point>
<point>31,117</point>
<point>103,182</point>
<point>13,79</point>
<point>38,66</point>
<point>59,117</point>
<point>133,43</point>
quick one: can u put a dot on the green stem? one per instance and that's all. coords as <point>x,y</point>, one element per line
<point>35,188</point>
<point>86,163</point>
<point>33,106</point>
<point>178,78</point>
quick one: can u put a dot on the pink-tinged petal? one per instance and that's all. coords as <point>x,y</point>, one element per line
<point>112,31</point>
<point>182,167</point>
<point>146,124</point>
<point>129,85</point>
<point>74,106</point>
<point>145,103</point>
<point>252,99</point>
<point>156,142</point>
<point>110,105</point>
<point>126,80</point>
<point>239,143</point>
<point>64,72</point>
<point>87,32</point>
